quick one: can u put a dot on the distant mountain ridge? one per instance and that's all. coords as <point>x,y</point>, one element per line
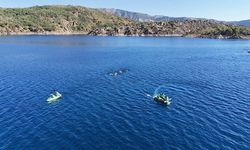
<point>242,22</point>
<point>142,17</point>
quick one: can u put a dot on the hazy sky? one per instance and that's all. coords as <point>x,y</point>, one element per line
<point>215,9</point>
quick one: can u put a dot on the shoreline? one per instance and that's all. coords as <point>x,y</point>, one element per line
<point>86,33</point>
<point>44,33</point>
<point>117,35</point>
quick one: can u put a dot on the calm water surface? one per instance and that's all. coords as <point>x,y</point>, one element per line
<point>208,81</point>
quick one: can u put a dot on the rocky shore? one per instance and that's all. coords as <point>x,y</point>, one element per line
<point>195,28</point>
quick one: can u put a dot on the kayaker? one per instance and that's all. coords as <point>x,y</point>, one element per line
<point>57,93</point>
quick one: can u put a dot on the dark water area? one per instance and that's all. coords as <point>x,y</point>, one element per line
<point>208,81</point>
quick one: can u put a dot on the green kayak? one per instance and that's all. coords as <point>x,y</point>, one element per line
<point>53,97</point>
<point>162,98</point>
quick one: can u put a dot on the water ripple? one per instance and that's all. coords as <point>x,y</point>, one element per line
<point>209,87</point>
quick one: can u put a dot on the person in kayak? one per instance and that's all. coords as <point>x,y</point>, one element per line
<point>162,98</point>
<point>57,93</point>
<point>54,96</point>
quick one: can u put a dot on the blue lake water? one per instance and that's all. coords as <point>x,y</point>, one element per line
<point>208,81</point>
